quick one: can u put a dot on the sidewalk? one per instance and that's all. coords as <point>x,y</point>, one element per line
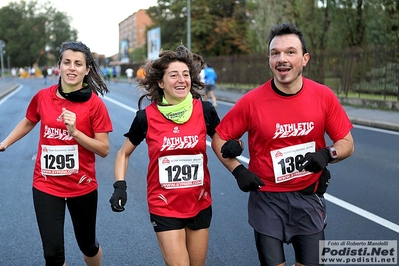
<point>360,116</point>
<point>7,86</point>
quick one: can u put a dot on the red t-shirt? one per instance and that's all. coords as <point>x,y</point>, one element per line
<point>178,180</point>
<point>281,129</point>
<point>63,167</point>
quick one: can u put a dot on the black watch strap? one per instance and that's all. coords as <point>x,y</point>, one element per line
<point>332,153</point>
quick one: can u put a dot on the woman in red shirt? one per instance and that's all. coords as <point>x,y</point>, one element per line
<point>175,125</point>
<point>74,128</point>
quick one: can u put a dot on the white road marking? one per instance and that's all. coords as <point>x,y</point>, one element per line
<point>10,95</point>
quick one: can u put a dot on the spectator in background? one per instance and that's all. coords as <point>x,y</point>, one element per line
<point>32,72</point>
<point>202,75</point>
<point>110,73</point>
<point>50,73</point>
<point>106,74</point>
<point>13,73</point>
<point>45,74</point>
<point>210,81</point>
<point>140,73</point>
<point>56,72</point>
<point>129,74</point>
<point>21,72</point>
<point>140,76</point>
<point>114,74</point>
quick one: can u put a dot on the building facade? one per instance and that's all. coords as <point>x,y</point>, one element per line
<point>132,33</point>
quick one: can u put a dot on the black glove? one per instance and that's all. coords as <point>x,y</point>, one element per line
<point>314,161</point>
<point>231,149</point>
<point>246,180</point>
<point>119,197</point>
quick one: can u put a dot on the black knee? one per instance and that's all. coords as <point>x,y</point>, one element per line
<point>91,251</point>
<point>55,258</point>
<point>306,248</point>
<point>270,249</point>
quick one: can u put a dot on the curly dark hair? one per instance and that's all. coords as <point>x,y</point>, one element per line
<point>95,78</point>
<point>155,69</point>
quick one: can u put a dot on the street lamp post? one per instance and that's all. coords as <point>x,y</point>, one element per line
<point>2,45</point>
<point>189,24</point>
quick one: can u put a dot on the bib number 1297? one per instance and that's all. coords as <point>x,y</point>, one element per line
<point>181,171</point>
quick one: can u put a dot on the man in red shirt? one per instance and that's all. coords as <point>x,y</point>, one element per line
<point>286,119</point>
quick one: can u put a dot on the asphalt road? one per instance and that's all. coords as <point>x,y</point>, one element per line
<point>361,201</point>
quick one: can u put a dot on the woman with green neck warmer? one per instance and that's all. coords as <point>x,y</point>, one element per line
<point>174,125</point>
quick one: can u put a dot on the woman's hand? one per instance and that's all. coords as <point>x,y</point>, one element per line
<point>69,120</point>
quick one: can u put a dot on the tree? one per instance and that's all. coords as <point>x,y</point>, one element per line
<point>218,27</point>
<point>58,30</point>
<point>32,32</point>
<point>348,22</point>
<point>225,27</point>
<point>138,54</point>
<point>171,17</point>
<point>313,18</point>
<point>383,22</point>
<point>262,17</point>
<point>233,27</point>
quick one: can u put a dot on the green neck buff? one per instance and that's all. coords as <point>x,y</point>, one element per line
<point>179,113</point>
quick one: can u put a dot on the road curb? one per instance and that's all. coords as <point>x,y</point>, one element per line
<point>375,124</point>
<point>7,91</point>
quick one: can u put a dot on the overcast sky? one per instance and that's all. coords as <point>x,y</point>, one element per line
<point>97,21</point>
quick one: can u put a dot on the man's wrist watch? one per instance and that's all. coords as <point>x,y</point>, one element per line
<point>332,152</point>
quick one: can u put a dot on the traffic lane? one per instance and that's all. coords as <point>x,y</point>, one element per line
<point>367,179</point>
<point>343,224</point>
<point>19,236</point>
<point>231,237</point>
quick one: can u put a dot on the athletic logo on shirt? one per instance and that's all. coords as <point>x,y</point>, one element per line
<point>56,133</point>
<point>294,129</point>
<point>177,143</point>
